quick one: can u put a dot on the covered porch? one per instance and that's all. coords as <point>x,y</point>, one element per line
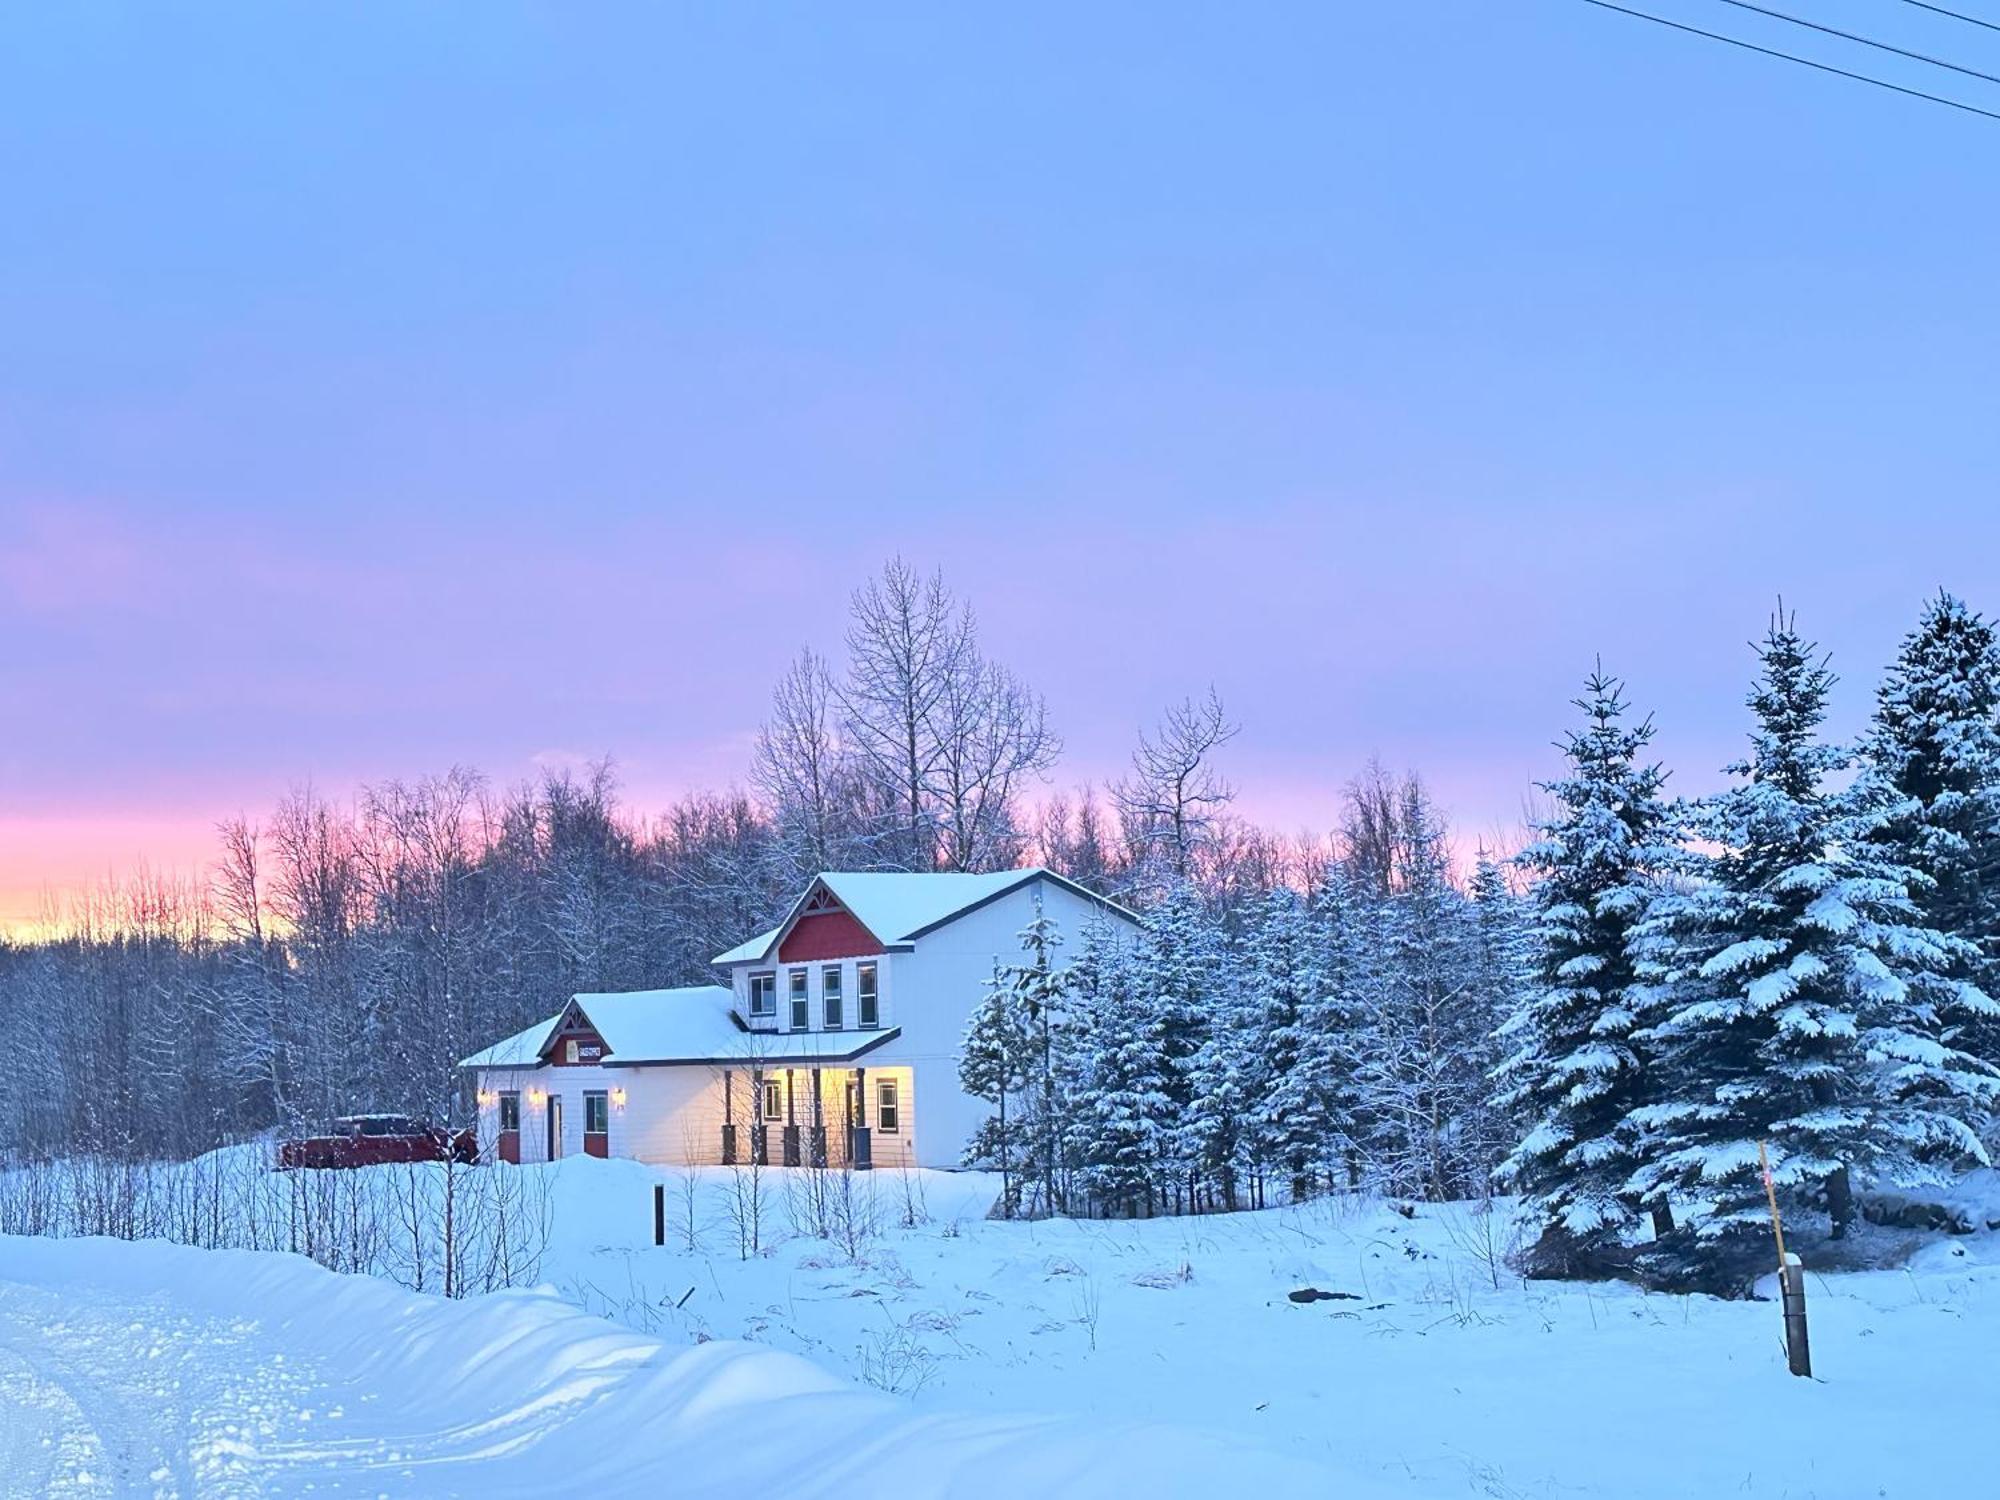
<point>794,1114</point>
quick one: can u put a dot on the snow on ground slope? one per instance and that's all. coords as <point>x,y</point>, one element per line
<point>1430,1373</point>
<point>152,1369</point>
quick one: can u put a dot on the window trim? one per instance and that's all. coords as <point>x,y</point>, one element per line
<point>798,991</point>
<point>867,997</point>
<point>569,1050</point>
<point>600,1101</point>
<point>509,1097</point>
<point>888,1106</point>
<point>773,1110</point>
<point>767,981</point>
<point>833,1001</point>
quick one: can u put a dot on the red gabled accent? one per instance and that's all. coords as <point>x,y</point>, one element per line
<point>827,934</point>
<point>575,1027</point>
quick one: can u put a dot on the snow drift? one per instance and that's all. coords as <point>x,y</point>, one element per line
<point>517,1392</point>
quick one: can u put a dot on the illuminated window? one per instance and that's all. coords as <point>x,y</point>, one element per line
<point>829,997</point>
<point>867,1014</point>
<point>888,1107</point>
<point>774,1099</point>
<point>569,1051</point>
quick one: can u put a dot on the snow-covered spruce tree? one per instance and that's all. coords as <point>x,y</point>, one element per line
<point>1230,1083</point>
<point>1801,970</point>
<point>1298,1073</point>
<point>1420,1074</point>
<point>991,1067</point>
<point>1935,743</point>
<point>1124,1118</point>
<point>1178,970</point>
<point>1573,1074</point>
<point>1038,994</point>
<point>1501,965</point>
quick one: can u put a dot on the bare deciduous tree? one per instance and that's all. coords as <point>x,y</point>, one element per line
<point>1174,794</point>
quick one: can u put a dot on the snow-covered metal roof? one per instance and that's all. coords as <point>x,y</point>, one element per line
<point>697,1024</point>
<point>899,908</point>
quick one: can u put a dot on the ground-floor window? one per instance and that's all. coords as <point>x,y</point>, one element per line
<point>596,1113</point>
<point>774,1099</point>
<point>888,1106</point>
<point>510,1111</point>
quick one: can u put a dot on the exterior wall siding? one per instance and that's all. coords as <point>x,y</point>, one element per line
<point>673,1116</point>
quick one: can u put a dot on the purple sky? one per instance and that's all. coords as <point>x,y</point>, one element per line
<point>381,392</point>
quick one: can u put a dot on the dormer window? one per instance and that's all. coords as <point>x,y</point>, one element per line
<point>801,1018</point>
<point>763,995</point>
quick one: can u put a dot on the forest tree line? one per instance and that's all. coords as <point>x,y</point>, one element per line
<point>342,956</point>
<point>1666,997</point>
<point>1609,1021</point>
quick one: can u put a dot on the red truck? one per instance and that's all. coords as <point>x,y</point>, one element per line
<point>377,1140</point>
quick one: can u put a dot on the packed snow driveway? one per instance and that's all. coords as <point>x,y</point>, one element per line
<point>154,1370</point>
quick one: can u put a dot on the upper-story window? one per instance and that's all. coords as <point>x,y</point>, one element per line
<point>829,998</point>
<point>763,994</point>
<point>801,1019</point>
<point>867,1008</point>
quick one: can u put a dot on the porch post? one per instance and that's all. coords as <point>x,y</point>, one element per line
<point>862,1150</point>
<point>760,1145</point>
<point>729,1117</point>
<point>818,1120</point>
<point>791,1120</point>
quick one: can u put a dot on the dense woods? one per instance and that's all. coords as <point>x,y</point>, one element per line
<point>1607,1021</point>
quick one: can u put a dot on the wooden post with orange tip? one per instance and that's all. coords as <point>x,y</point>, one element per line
<point>1791,1281</point>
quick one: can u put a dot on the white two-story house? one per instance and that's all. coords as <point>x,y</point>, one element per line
<point>834,1041</point>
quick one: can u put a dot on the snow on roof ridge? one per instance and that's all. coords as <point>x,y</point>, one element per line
<point>897,905</point>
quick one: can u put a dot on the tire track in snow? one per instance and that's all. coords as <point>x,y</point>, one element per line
<point>138,1459</point>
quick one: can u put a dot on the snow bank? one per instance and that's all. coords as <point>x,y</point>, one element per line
<point>518,1393</point>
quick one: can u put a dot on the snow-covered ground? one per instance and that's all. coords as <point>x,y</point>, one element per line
<point>155,1369</point>
<point>1166,1353</point>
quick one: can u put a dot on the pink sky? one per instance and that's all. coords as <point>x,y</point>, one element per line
<point>373,407</point>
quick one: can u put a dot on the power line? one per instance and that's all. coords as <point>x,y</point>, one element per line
<point>1849,36</point>
<point>1954,14</point>
<point>1792,57</point>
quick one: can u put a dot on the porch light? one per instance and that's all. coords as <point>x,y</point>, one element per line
<point>618,1097</point>
<point>536,1096</point>
<point>486,1097</point>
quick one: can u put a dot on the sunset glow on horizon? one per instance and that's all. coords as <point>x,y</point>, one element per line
<point>443,429</point>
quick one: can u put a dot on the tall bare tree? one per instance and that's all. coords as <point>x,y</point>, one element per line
<point>1174,794</point>
<point>908,639</point>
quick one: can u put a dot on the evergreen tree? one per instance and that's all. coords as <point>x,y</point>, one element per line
<point>1500,970</point>
<point>1178,970</point>
<point>1935,743</point>
<point>991,1067</point>
<point>1419,1075</point>
<point>1230,1083</point>
<point>1038,991</point>
<point>1798,995</point>
<point>1126,1117</point>
<point>1296,1052</point>
<point>1575,1074</point>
